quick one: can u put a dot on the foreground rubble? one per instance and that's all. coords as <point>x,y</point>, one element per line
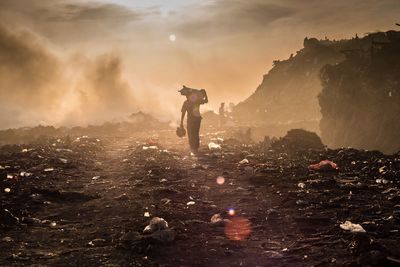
<point>144,201</point>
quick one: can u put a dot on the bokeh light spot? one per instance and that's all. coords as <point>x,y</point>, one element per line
<point>220,180</point>
<point>238,228</point>
<point>231,211</point>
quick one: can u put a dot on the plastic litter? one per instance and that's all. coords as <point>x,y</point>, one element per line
<point>165,201</point>
<point>64,150</point>
<point>325,165</point>
<point>190,203</point>
<point>214,146</point>
<point>97,242</point>
<point>149,147</point>
<point>382,170</point>
<point>244,161</point>
<point>381,181</point>
<point>352,227</point>
<point>7,239</point>
<point>216,218</point>
<point>301,185</point>
<point>25,174</point>
<point>49,169</point>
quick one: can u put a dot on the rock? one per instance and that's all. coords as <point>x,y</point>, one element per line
<point>131,239</point>
<point>162,236</point>
<point>299,139</point>
<point>156,224</point>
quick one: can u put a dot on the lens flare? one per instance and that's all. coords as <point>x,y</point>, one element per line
<point>238,228</point>
<point>231,211</point>
<point>220,180</point>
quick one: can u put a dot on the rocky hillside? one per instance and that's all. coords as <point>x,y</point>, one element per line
<point>289,92</point>
<point>360,99</point>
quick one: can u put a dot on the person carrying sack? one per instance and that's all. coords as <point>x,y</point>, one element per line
<point>194,98</point>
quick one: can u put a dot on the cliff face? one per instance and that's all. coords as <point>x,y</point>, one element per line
<point>360,99</point>
<point>289,92</point>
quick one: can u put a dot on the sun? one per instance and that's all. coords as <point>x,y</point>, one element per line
<point>172,37</point>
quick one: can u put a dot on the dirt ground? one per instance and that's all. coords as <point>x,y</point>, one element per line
<point>85,202</point>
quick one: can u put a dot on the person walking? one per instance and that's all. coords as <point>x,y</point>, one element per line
<point>194,98</point>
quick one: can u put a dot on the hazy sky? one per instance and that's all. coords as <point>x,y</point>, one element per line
<point>145,50</point>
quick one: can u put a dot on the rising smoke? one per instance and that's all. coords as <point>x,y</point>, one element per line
<point>38,87</point>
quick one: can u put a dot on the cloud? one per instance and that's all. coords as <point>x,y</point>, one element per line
<point>104,13</point>
<point>221,18</point>
<point>227,17</point>
<point>69,22</point>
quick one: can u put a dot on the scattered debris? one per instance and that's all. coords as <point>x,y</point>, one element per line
<point>156,224</point>
<point>301,185</point>
<point>352,227</point>
<point>122,197</point>
<point>65,161</point>
<point>98,242</point>
<point>244,161</point>
<point>216,218</point>
<point>325,165</point>
<point>298,139</point>
<point>7,218</point>
<point>214,146</point>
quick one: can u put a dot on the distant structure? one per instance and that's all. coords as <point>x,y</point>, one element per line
<point>221,113</point>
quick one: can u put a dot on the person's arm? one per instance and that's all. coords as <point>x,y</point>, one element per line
<point>204,100</point>
<point>183,111</point>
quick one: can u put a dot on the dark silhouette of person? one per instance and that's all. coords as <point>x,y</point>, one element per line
<point>194,98</point>
<point>222,115</point>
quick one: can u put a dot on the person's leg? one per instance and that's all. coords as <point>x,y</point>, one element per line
<point>190,133</point>
<point>196,134</point>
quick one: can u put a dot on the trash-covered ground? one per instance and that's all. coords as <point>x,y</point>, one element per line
<point>145,201</point>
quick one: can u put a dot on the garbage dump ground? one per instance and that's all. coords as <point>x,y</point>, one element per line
<point>86,202</point>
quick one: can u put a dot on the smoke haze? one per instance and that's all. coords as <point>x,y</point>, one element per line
<point>80,62</point>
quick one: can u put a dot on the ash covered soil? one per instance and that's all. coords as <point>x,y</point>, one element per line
<point>86,202</point>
